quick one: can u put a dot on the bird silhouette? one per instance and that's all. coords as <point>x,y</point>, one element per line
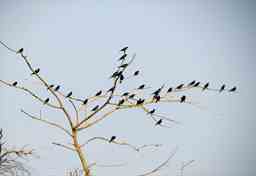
<point>95,108</point>
<point>222,88</point>
<point>121,78</point>
<point>136,73</point>
<point>14,83</point>
<point>69,95</point>
<point>20,51</point>
<point>124,49</point>
<point>182,99</point>
<point>120,102</point>
<point>122,57</point>
<point>140,101</point>
<point>206,86</point>
<point>46,100</point>
<point>112,139</point>
<point>232,89</point>
<point>50,86</point>
<point>151,112</point>
<point>98,93</point>
<point>123,65</point>
<point>36,71</point>
<point>180,86</point>
<point>141,86</point>
<point>57,88</point>
<point>156,98</point>
<point>159,122</point>
<point>131,96</point>
<point>197,84</point>
<point>111,89</point>
<point>158,90</point>
<point>125,94</point>
<point>169,90</point>
<point>192,83</point>
<point>115,74</point>
<point>85,101</point>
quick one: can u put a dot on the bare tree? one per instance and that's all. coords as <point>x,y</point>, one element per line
<point>113,101</point>
<point>11,159</point>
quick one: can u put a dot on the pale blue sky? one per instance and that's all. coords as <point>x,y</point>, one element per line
<point>76,44</point>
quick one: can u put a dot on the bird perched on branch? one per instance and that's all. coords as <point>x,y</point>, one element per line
<point>98,93</point>
<point>180,86</point>
<point>182,99</point>
<point>156,98</point>
<point>125,94</point>
<point>192,83</point>
<point>169,90</point>
<point>222,88</point>
<point>122,57</point>
<point>95,108</point>
<point>157,92</point>
<point>123,65</point>
<point>46,100</point>
<point>50,86</point>
<point>14,83</point>
<point>112,139</point>
<point>232,89</point>
<point>140,101</point>
<point>20,51</point>
<point>85,101</point>
<point>124,49</point>
<point>141,86</point>
<point>57,88</point>
<point>69,95</point>
<point>197,84</point>
<point>121,102</point>
<point>159,122</point>
<point>132,96</point>
<point>111,89</point>
<point>36,71</point>
<point>205,86</point>
<point>151,112</point>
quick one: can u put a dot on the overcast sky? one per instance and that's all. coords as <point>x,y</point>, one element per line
<point>77,44</point>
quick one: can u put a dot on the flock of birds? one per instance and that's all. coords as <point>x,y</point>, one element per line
<point>127,95</point>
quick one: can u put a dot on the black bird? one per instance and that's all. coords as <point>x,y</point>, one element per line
<point>20,51</point>
<point>197,84</point>
<point>121,78</point>
<point>131,96</point>
<point>50,86</point>
<point>232,89</point>
<point>115,74</point>
<point>111,89</point>
<point>141,86</point>
<point>69,95</point>
<point>120,102</point>
<point>157,98</point>
<point>222,88</point>
<point>140,101</point>
<point>14,83</point>
<point>98,93</point>
<point>136,73</point>
<point>152,111</point>
<point>123,65</point>
<point>182,99</point>
<point>159,122</point>
<point>46,100</point>
<point>125,94</point>
<point>169,90</point>
<point>180,86</point>
<point>192,83</point>
<point>112,139</point>
<point>36,71</point>
<point>124,49</point>
<point>57,88</point>
<point>95,108</point>
<point>158,90</point>
<point>85,101</point>
<point>205,86</point>
<point>122,57</point>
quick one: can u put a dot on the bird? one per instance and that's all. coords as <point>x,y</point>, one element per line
<point>50,86</point>
<point>182,99</point>
<point>136,73</point>
<point>98,93</point>
<point>125,94</point>
<point>169,90</point>
<point>124,49</point>
<point>115,74</point>
<point>159,122</point>
<point>85,101</point>
<point>131,96</point>
<point>36,71</point>
<point>123,65</point>
<point>14,83</point>
<point>69,95</point>
<point>120,102</point>
<point>57,88</point>
<point>121,78</point>
<point>122,57</point>
<point>157,98</point>
<point>111,89</point>
<point>222,88</point>
<point>140,101</point>
<point>232,89</point>
<point>141,86</point>
<point>192,83</point>
<point>46,100</point>
<point>112,139</point>
<point>95,108</point>
<point>205,86</point>
<point>151,112</point>
<point>158,90</point>
<point>20,50</point>
<point>180,86</point>
<point>197,84</point>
